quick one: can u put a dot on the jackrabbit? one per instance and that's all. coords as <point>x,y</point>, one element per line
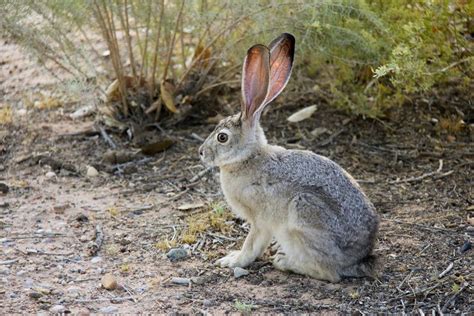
<point>322,222</point>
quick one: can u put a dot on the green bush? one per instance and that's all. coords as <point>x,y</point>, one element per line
<point>363,56</point>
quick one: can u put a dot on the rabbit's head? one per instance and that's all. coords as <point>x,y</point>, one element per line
<point>265,73</point>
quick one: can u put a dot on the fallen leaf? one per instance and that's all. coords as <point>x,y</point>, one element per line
<point>167,96</point>
<point>83,111</point>
<point>154,148</point>
<point>319,131</point>
<point>202,56</point>
<point>5,114</point>
<point>302,114</point>
<point>113,92</point>
<point>470,220</point>
<point>118,156</point>
<point>47,103</point>
<point>190,206</point>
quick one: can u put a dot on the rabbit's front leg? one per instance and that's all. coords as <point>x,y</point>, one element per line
<point>255,244</point>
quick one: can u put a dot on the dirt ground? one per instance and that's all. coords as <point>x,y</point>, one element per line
<point>62,230</point>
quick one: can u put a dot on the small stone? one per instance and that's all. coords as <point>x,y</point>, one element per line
<point>4,188</point>
<point>239,272</point>
<point>96,260</point>
<point>56,309</point>
<point>81,218</point>
<point>21,273</point>
<point>465,247</point>
<point>470,229</point>
<point>50,175</point>
<point>200,280</point>
<point>92,172</point>
<point>177,254</point>
<point>318,131</point>
<point>109,309</point>
<point>4,271</point>
<point>109,282</point>
<point>180,281</point>
<point>35,294</point>
<point>207,303</point>
<point>59,209</point>
<point>21,112</point>
<point>83,312</point>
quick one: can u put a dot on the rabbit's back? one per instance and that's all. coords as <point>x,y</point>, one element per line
<point>340,205</point>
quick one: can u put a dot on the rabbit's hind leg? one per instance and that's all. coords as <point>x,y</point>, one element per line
<point>295,256</point>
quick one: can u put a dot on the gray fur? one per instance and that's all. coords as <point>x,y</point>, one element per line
<point>323,223</point>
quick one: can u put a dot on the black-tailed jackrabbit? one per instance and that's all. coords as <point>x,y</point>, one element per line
<point>323,224</point>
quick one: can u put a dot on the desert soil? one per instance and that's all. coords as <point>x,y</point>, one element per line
<point>63,228</point>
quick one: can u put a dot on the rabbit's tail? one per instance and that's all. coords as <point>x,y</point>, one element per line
<point>364,268</point>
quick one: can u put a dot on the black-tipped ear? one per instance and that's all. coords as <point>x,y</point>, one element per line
<point>255,80</point>
<point>282,52</point>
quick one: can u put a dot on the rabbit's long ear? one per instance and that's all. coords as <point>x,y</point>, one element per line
<point>255,81</point>
<point>282,52</point>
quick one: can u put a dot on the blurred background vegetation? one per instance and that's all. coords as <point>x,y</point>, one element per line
<point>164,60</point>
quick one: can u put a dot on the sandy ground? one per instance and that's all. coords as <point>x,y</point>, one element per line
<point>62,230</point>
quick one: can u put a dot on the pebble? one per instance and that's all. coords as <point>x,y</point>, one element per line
<point>109,309</point>
<point>239,272</point>
<point>207,303</point>
<point>181,281</point>
<point>57,309</point>
<point>109,282</point>
<point>470,229</point>
<point>21,112</point>
<point>50,175</point>
<point>4,188</point>
<point>21,273</point>
<point>96,260</point>
<point>177,254</point>
<point>200,280</point>
<point>4,271</point>
<point>83,312</point>
<point>92,172</point>
<point>28,283</point>
<point>35,295</point>
<point>465,247</point>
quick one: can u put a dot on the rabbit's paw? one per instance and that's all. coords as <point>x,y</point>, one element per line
<point>280,261</point>
<point>232,260</point>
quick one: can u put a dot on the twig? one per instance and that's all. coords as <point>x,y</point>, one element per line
<point>8,262</point>
<point>446,271</point>
<point>200,174</point>
<point>107,138</point>
<point>35,237</point>
<point>197,137</point>
<point>423,226</point>
<point>129,293</point>
<point>331,138</point>
<point>404,280</point>
<point>177,195</point>
<point>437,174</point>
<point>117,299</point>
<point>156,50</point>
<point>222,237</point>
<point>170,52</point>
<point>41,252</point>
<point>86,280</point>
<point>452,298</point>
<point>118,167</point>
<point>95,246</point>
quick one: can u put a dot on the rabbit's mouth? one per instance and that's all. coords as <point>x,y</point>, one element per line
<point>207,157</point>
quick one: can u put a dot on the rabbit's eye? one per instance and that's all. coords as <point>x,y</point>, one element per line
<point>222,137</point>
